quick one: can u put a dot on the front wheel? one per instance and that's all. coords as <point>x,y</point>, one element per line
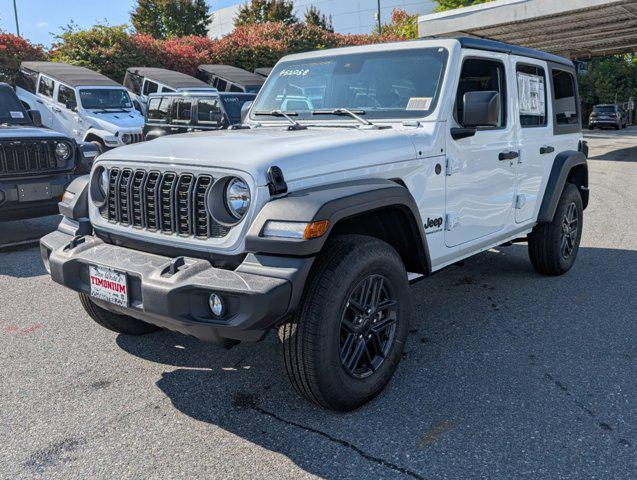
<point>344,343</point>
<point>553,246</point>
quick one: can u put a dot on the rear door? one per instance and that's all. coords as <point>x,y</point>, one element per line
<point>479,184</point>
<point>44,100</point>
<point>534,133</point>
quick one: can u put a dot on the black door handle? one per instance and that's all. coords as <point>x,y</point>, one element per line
<point>544,150</point>
<point>508,155</point>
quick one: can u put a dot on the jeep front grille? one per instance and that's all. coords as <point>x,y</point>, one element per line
<point>167,202</point>
<point>28,157</point>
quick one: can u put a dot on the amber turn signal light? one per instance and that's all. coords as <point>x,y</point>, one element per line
<point>316,229</point>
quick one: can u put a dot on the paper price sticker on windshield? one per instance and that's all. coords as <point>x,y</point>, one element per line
<point>419,103</point>
<point>16,114</point>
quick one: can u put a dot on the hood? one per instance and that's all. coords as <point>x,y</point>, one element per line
<point>115,121</point>
<point>300,154</point>
<point>24,131</point>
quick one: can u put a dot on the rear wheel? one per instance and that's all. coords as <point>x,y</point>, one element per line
<point>343,345</point>
<point>553,246</point>
<point>113,321</point>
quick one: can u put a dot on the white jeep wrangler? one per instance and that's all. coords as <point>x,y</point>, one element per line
<point>389,163</point>
<point>81,103</point>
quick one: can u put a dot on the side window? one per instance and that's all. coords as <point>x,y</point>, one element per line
<point>66,94</point>
<point>564,104</point>
<point>158,109</point>
<point>208,111</point>
<point>235,88</point>
<point>183,111</point>
<point>46,87</point>
<point>479,75</point>
<point>167,90</point>
<point>28,80</point>
<point>150,87</point>
<point>531,81</point>
<point>221,85</point>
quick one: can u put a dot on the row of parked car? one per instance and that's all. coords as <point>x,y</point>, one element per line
<point>61,116</point>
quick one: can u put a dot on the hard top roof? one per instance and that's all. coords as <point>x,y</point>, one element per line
<point>233,74</point>
<point>71,74</point>
<point>170,78</point>
<point>263,71</point>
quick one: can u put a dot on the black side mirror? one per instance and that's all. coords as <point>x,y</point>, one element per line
<point>71,105</point>
<point>36,118</point>
<point>481,109</point>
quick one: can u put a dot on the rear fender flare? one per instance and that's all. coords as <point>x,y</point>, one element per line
<point>562,166</point>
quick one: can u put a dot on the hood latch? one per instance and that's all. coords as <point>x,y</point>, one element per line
<point>276,183</point>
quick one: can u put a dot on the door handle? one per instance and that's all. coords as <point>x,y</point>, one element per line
<point>508,155</point>
<point>56,109</point>
<point>546,149</point>
<point>39,101</point>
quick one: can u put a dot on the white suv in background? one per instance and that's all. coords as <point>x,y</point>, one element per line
<point>80,103</point>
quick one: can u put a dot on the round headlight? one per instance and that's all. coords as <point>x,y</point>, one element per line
<point>103,183</point>
<point>237,197</point>
<point>126,138</point>
<point>62,151</point>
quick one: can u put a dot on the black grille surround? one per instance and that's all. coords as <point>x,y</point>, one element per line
<point>30,156</point>
<point>161,202</point>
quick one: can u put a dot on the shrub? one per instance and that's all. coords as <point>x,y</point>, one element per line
<point>13,50</point>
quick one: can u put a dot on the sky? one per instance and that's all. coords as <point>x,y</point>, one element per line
<point>41,20</point>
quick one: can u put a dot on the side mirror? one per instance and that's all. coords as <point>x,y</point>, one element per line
<point>36,118</point>
<point>71,105</point>
<point>481,109</point>
<point>245,109</point>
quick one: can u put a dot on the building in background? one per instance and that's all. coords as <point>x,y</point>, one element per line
<point>348,16</point>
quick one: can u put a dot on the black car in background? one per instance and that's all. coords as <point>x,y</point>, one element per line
<point>36,164</point>
<point>170,113</point>
<point>608,116</point>
<point>227,78</point>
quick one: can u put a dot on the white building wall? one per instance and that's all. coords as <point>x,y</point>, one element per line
<point>348,16</point>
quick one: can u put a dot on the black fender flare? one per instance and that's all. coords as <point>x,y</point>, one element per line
<point>335,202</point>
<point>562,165</point>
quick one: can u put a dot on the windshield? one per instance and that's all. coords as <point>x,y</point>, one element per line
<point>11,110</point>
<point>389,84</point>
<point>105,98</point>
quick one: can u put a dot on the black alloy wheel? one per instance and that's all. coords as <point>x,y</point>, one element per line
<point>570,228</point>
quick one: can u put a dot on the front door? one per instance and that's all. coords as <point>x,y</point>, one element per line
<point>535,134</point>
<point>480,181</point>
<point>65,119</point>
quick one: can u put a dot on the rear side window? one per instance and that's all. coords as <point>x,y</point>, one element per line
<point>564,102</point>
<point>531,82</point>
<point>158,109</point>
<point>28,80</point>
<point>46,87</point>
<point>183,111</point>
<point>66,94</point>
<point>208,110</point>
<point>479,75</point>
<point>150,87</point>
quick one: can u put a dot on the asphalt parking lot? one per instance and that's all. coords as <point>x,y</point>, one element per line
<point>507,374</point>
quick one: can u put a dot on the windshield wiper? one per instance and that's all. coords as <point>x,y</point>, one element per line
<point>287,115</point>
<point>355,114</point>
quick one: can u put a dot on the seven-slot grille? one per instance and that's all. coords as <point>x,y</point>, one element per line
<point>28,156</point>
<point>135,137</point>
<point>166,202</point>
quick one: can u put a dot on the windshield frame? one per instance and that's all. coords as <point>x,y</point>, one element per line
<point>336,119</point>
<point>108,108</point>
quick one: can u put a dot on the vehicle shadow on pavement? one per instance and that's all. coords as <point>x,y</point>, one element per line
<point>498,356</point>
<point>628,154</point>
<point>21,262</point>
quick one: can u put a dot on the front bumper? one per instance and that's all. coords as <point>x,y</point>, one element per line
<point>31,197</point>
<point>260,292</point>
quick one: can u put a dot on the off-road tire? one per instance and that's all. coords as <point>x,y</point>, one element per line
<point>113,321</point>
<point>545,241</point>
<point>311,338</point>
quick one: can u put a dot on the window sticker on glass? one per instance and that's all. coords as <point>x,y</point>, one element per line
<point>419,103</point>
<point>531,94</point>
<point>16,114</point>
<point>294,72</point>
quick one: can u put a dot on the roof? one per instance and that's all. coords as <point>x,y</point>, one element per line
<point>170,78</point>
<point>577,29</point>
<point>233,74</point>
<point>263,71</point>
<point>495,46</point>
<point>71,74</point>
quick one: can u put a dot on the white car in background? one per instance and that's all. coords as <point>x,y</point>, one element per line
<point>80,103</point>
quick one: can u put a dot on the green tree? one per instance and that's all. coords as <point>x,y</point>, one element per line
<point>314,17</point>
<point>403,25</point>
<point>262,11</point>
<point>451,4</point>
<point>171,18</point>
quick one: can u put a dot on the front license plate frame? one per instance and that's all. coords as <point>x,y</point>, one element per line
<point>108,285</point>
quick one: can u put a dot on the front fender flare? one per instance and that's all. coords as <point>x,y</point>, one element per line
<point>335,203</point>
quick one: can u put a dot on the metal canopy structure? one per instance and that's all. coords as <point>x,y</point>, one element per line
<point>577,29</point>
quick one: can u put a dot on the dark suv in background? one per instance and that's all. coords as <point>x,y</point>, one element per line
<point>183,112</point>
<point>36,164</point>
<point>608,116</point>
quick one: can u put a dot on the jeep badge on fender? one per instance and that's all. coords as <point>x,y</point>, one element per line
<point>312,218</point>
